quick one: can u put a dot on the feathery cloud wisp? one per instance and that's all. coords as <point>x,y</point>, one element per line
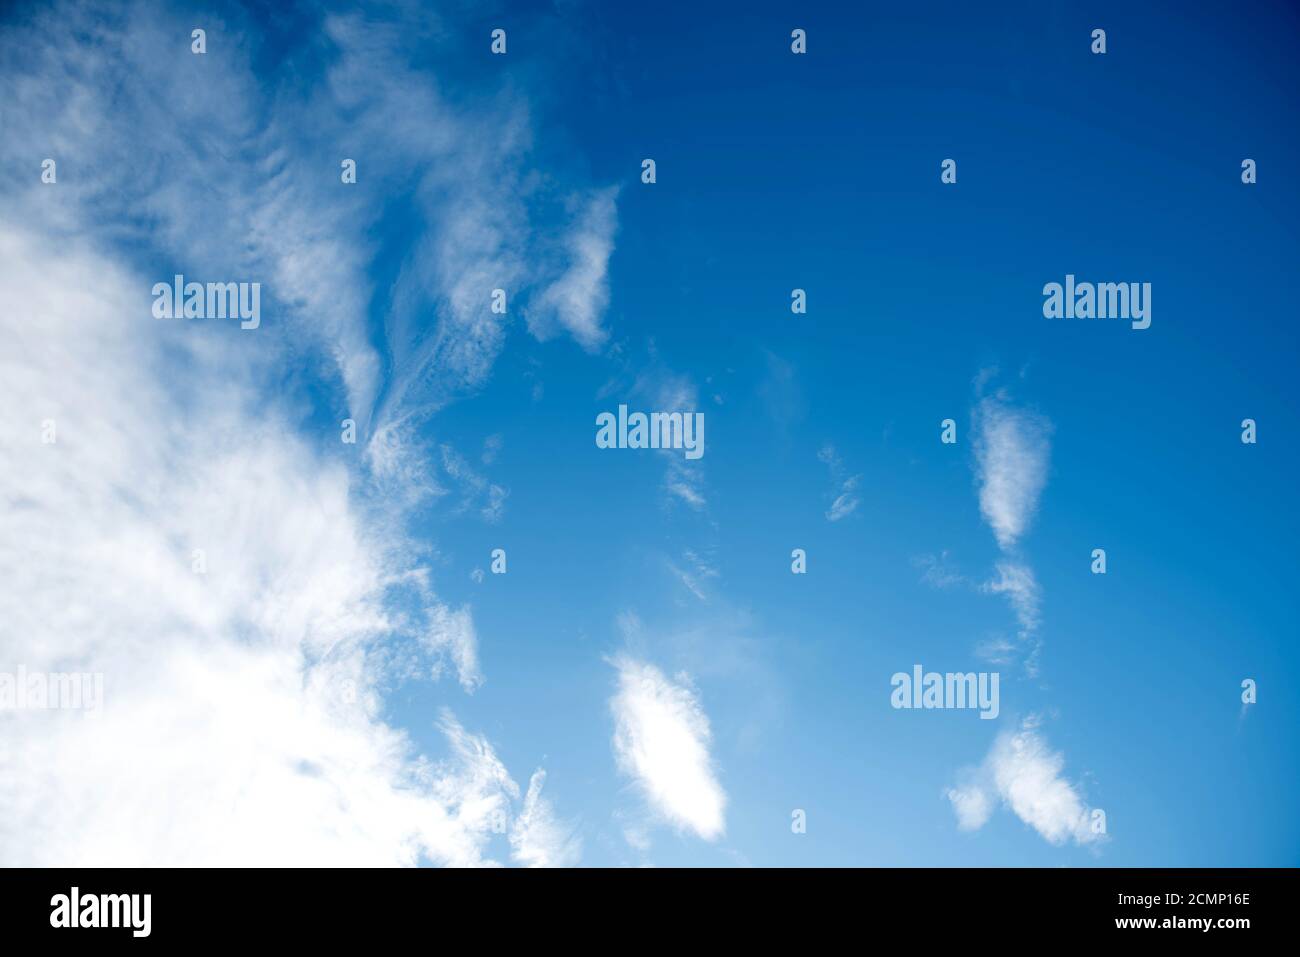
<point>1024,773</point>
<point>576,299</point>
<point>1016,580</point>
<point>1011,454</point>
<point>538,838</point>
<point>238,188</point>
<point>846,499</point>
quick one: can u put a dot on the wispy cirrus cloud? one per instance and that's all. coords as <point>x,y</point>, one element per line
<point>484,219</point>
<point>477,492</point>
<point>938,570</point>
<point>238,187</point>
<point>1016,581</point>
<point>537,837</point>
<point>844,494</point>
<point>694,572</point>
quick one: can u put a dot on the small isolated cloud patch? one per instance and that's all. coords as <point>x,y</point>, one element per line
<point>661,742</point>
<point>1025,774</point>
<point>845,495</point>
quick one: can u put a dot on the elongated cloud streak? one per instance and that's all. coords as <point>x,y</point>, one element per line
<point>1011,453</point>
<point>661,741</point>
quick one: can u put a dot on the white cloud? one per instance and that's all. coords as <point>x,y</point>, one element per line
<point>694,574</point>
<point>578,297</point>
<point>997,650</point>
<point>846,503</point>
<point>1011,455</point>
<point>846,498</point>
<point>453,631</point>
<point>637,838</point>
<point>938,572</point>
<point>240,722</point>
<point>685,481</point>
<point>1025,774</point>
<point>972,805</point>
<point>1017,582</point>
<point>671,392</point>
<point>661,741</point>
<point>243,713</point>
<point>241,717</point>
<point>477,492</point>
<point>538,838</point>
<point>235,186</point>
<point>1011,452</point>
<point>220,196</point>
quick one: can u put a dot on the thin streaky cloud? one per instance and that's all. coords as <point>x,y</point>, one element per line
<point>845,495</point>
<point>537,837</point>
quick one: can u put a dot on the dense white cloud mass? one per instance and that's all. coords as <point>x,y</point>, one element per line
<point>1024,773</point>
<point>181,541</point>
<point>1011,453</point>
<point>661,741</point>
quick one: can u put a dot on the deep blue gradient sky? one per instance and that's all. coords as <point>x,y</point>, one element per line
<point>821,171</point>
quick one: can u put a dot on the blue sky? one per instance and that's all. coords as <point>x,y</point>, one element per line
<point>648,682</point>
